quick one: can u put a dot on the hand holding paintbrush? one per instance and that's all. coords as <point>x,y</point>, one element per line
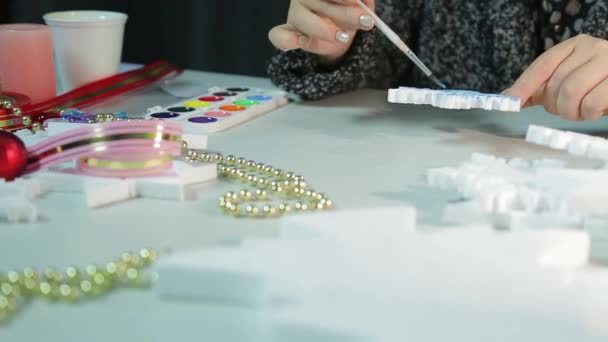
<point>323,27</point>
<point>327,28</point>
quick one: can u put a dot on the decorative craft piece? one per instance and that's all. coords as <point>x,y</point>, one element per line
<point>113,149</point>
<point>517,190</point>
<point>176,184</point>
<point>73,285</point>
<point>574,143</point>
<point>454,99</point>
<point>502,185</point>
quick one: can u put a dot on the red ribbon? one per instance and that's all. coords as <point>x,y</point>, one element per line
<point>91,94</point>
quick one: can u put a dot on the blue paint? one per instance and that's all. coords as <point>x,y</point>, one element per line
<point>260,98</point>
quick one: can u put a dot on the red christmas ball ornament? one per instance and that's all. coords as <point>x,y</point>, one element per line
<point>13,156</point>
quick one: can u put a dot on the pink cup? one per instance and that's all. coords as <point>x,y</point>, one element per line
<point>27,64</point>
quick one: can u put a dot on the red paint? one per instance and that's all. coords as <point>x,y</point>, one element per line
<point>211,98</point>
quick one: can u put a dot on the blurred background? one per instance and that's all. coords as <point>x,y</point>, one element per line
<point>228,36</point>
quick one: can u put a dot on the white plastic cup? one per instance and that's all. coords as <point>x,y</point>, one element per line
<point>88,45</point>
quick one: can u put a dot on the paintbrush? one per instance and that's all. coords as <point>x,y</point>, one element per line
<point>393,37</point>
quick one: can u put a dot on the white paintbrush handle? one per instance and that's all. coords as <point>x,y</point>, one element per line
<point>393,37</point>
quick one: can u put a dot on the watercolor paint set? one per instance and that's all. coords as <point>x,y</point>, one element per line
<point>220,108</point>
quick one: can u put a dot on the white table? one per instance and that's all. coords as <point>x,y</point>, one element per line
<point>356,147</point>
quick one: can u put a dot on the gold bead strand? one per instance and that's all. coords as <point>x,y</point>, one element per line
<point>291,188</point>
<point>73,285</point>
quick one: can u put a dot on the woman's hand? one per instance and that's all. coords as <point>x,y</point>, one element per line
<point>323,27</point>
<point>570,80</point>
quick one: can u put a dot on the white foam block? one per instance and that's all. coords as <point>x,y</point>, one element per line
<point>27,188</point>
<point>362,309</point>
<point>176,185</point>
<point>538,135</point>
<point>196,141</point>
<point>221,274</point>
<point>590,199</point>
<point>164,188</point>
<point>598,149</point>
<point>351,225</point>
<point>579,144</point>
<point>575,143</point>
<point>548,163</point>
<point>454,99</point>
<point>441,178</point>
<point>523,194</point>
<point>254,274</point>
<point>15,209</point>
<point>520,271</point>
<point>98,191</point>
<point>522,220</point>
<point>173,185</point>
<point>62,180</point>
<point>560,140</point>
<point>101,192</point>
<point>598,251</point>
<point>597,227</point>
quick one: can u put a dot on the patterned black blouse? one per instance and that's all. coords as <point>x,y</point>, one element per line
<point>480,45</point>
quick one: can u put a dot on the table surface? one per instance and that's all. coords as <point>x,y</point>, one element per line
<point>361,150</point>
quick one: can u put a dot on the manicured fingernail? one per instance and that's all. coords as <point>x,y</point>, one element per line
<point>343,37</point>
<point>303,40</point>
<point>366,22</point>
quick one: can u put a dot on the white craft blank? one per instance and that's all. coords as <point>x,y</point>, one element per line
<point>364,291</point>
<point>247,274</point>
<point>577,144</point>
<point>17,210</point>
<point>518,193</point>
<point>102,192</point>
<point>454,99</point>
<point>370,223</point>
<point>178,184</point>
<point>175,185</point>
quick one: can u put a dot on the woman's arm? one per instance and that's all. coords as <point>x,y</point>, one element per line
<point>371,62</point>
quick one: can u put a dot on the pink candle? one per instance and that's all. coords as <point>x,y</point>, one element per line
<point>27,64</point>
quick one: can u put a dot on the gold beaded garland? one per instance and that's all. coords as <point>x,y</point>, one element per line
<point>27,120</point>
<point>288,190</point>
<point>72,285</point>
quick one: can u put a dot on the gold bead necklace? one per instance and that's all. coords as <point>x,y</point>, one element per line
<point>73,285</point>
<point>271,192</point>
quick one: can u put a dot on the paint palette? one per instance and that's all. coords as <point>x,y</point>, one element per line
<point>220,109</point>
